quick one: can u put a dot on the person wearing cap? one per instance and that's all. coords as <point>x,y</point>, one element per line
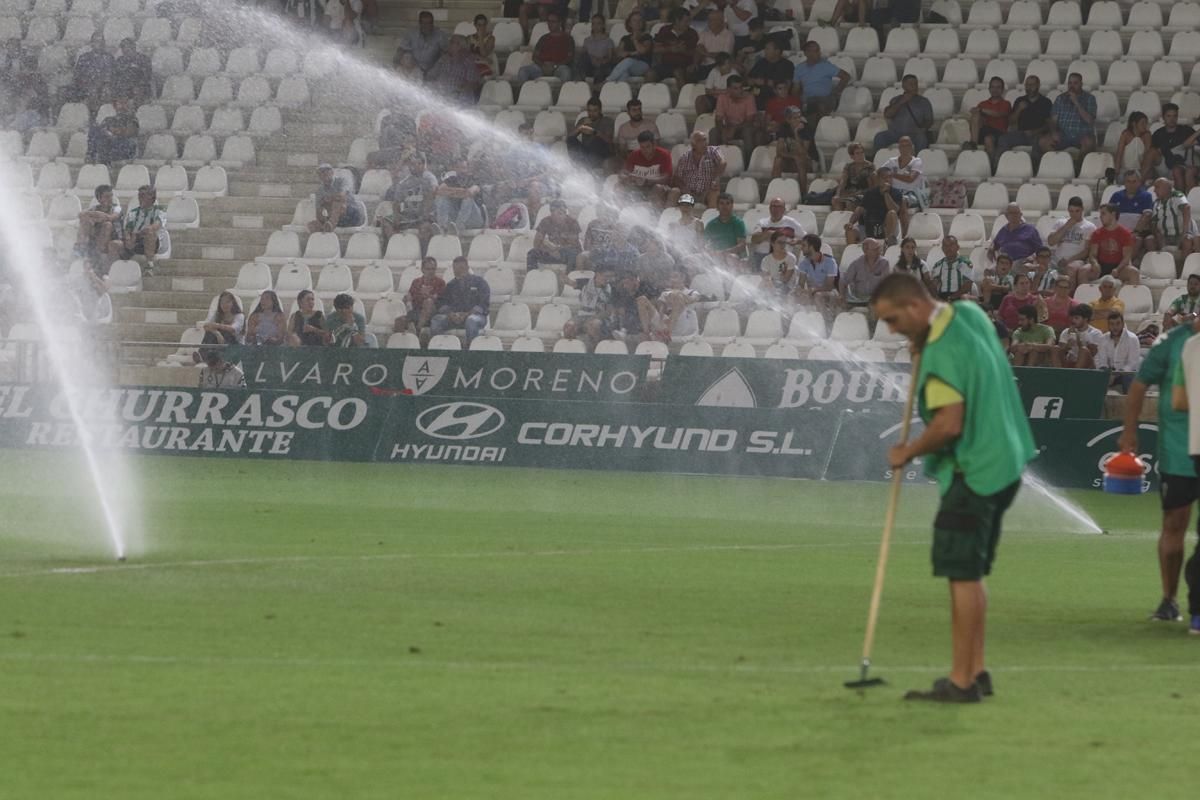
<point>1106,303</point>
<point>336,205</point>
<point>133,76</point>
<point>1110,251</point>
<point>776,221</point>
<point>698,171</point>
<point>647,170</point>
<point>685,234</point>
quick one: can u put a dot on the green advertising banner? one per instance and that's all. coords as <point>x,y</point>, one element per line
<point>337,426</point>
<point>769,383</point>
<point>547,376</point>
<point>1074,451</point>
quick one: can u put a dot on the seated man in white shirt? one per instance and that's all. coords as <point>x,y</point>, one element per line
<point>1119,351</point>
<point>1079,342</point>
<point>1071,238</point>
<point>908,174</point>
<point>776,220</point>
<point>672,315</point>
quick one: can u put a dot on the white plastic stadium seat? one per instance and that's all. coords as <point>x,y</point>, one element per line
<point>513,320</point>
<point>124,277</point>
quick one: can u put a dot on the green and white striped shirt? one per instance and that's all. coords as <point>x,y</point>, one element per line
<point>1184,304</point>
<point>949,276</point>
<point>1168,215</point>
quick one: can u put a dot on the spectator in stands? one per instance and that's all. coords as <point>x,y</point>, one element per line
<point>882,212</point>
<point>908,260</point>
<point>1184,309</point>
<point>776,221</point>
<point>1135,150</point>
<point>411,195</point>
<point>818,274</point>
<point>132,75</point>
<point>456,73</point>
<point>1055,310</point>
<point>781,97</point>
<point>716,38</point>
<point>422,298</point>
<point>655,264</point>
<point>556,240</point>
<point>908,114</point>
<point>698,171</point>
<point>90,291</point>
<point>1111,251</point>
<point>1071,238</point>
<point>1172,149</point>
<point>908,173</point>
<point>1079,342</point>
<point>226,323</point>
<point>950,276</point>
<point>266,325</point>
<point>1030,123</point>
<point>599,231</point>
<point>1107,302</point>
<point>997,282</point>
<point>1022,295</point>
<point>647,170</point>
<point>538,8</point>
<point>144,231</point>
<point>99,227</point>
<point>217,373</point>
<point>990,118</point>
<point>1032,342</point>
<point>685,234</point>
<point>591,141</point>
<point>34,92</point>
<point>716,83</point>
<point>817,75</point>
<point>1040,270</point>
<point>1172,221</point>
<point>553,54</point>
<point>595,59</point>
<point>635,51</point>
<point>792,148</point>
<point>456,202</point>
<point>307,326</point>
<point>629,131</point>
<point>482,44</point>
<point>464,302</point>
<point>595,309</point>
<point>115,138</point>
<point>671,316</point>
<point>397,132</point>
<point>857,177</point>
<point>1135,204</point>
<point>336,205</point>
<point>93,74</point>
<point>863,274</point>
<point>1016,238</point>
<point>780,276</point>
<point>737,118</point>
<point>725,234</point>
<point>768,73</point>
<point>1074,120</point>
<point>405,65</point>
<point>426,43</point>
<point>1120,351</point>
<point>675,46</point>
<point>346,327</point>
<point>616,252</point>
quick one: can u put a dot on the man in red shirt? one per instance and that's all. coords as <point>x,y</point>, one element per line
<point>1110,251</point>
<point>674,46</point>
<point>553,54</point>
<point>422,297</point>
<point>989,119</point>
<point>648,170</point>
<point>737,117</point>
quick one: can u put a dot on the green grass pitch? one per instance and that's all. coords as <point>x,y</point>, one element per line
<point>303,630</point>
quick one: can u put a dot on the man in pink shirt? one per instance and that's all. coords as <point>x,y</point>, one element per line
<point>737,117</point>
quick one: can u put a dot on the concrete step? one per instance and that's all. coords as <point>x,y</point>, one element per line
<point>284,188</point>
<point>202,283</point>
<point>213,235</point>
<point>161,316</point>
<point>162,299</point>
<point>251,204</point>
<point>142,332</point>
<point>245,220</point>
<point>239,253</point>
<point>174,275</point>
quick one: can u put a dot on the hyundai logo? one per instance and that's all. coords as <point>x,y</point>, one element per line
<point>460,421</point>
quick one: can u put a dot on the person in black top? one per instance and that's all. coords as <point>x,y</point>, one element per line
<point>1172,144</point>
<point>1030,121</point>
<point>771,69</point>
<point>882,212</point>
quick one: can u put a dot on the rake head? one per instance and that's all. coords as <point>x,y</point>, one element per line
<point>863,681</point>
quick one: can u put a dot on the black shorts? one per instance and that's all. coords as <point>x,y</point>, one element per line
<point>1106,269</point>
<point>966,530</point>
<point>985,132</point>
<point>1176,491</point>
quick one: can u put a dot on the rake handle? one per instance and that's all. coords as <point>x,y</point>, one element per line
<point>889,521</point>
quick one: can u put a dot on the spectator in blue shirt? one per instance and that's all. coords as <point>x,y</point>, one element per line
<point>1075,117</point>
<point>1134,202</point>
<point>464,303</point>
<point>816,75</point>
<point>818,272</point>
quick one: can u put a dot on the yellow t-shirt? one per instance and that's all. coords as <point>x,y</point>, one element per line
<point>1100,309</point>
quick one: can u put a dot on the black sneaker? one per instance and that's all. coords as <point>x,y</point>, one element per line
<point>944,691</point>
<point>1167,611</point>
<point>984,682</point>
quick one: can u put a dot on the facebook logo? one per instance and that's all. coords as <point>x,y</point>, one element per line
<point>1046,408</point>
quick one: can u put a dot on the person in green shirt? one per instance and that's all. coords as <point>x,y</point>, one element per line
<point>1177,477</point>
<point>1032,341</point>
<point>725,234</point>
<point>976,444</point>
